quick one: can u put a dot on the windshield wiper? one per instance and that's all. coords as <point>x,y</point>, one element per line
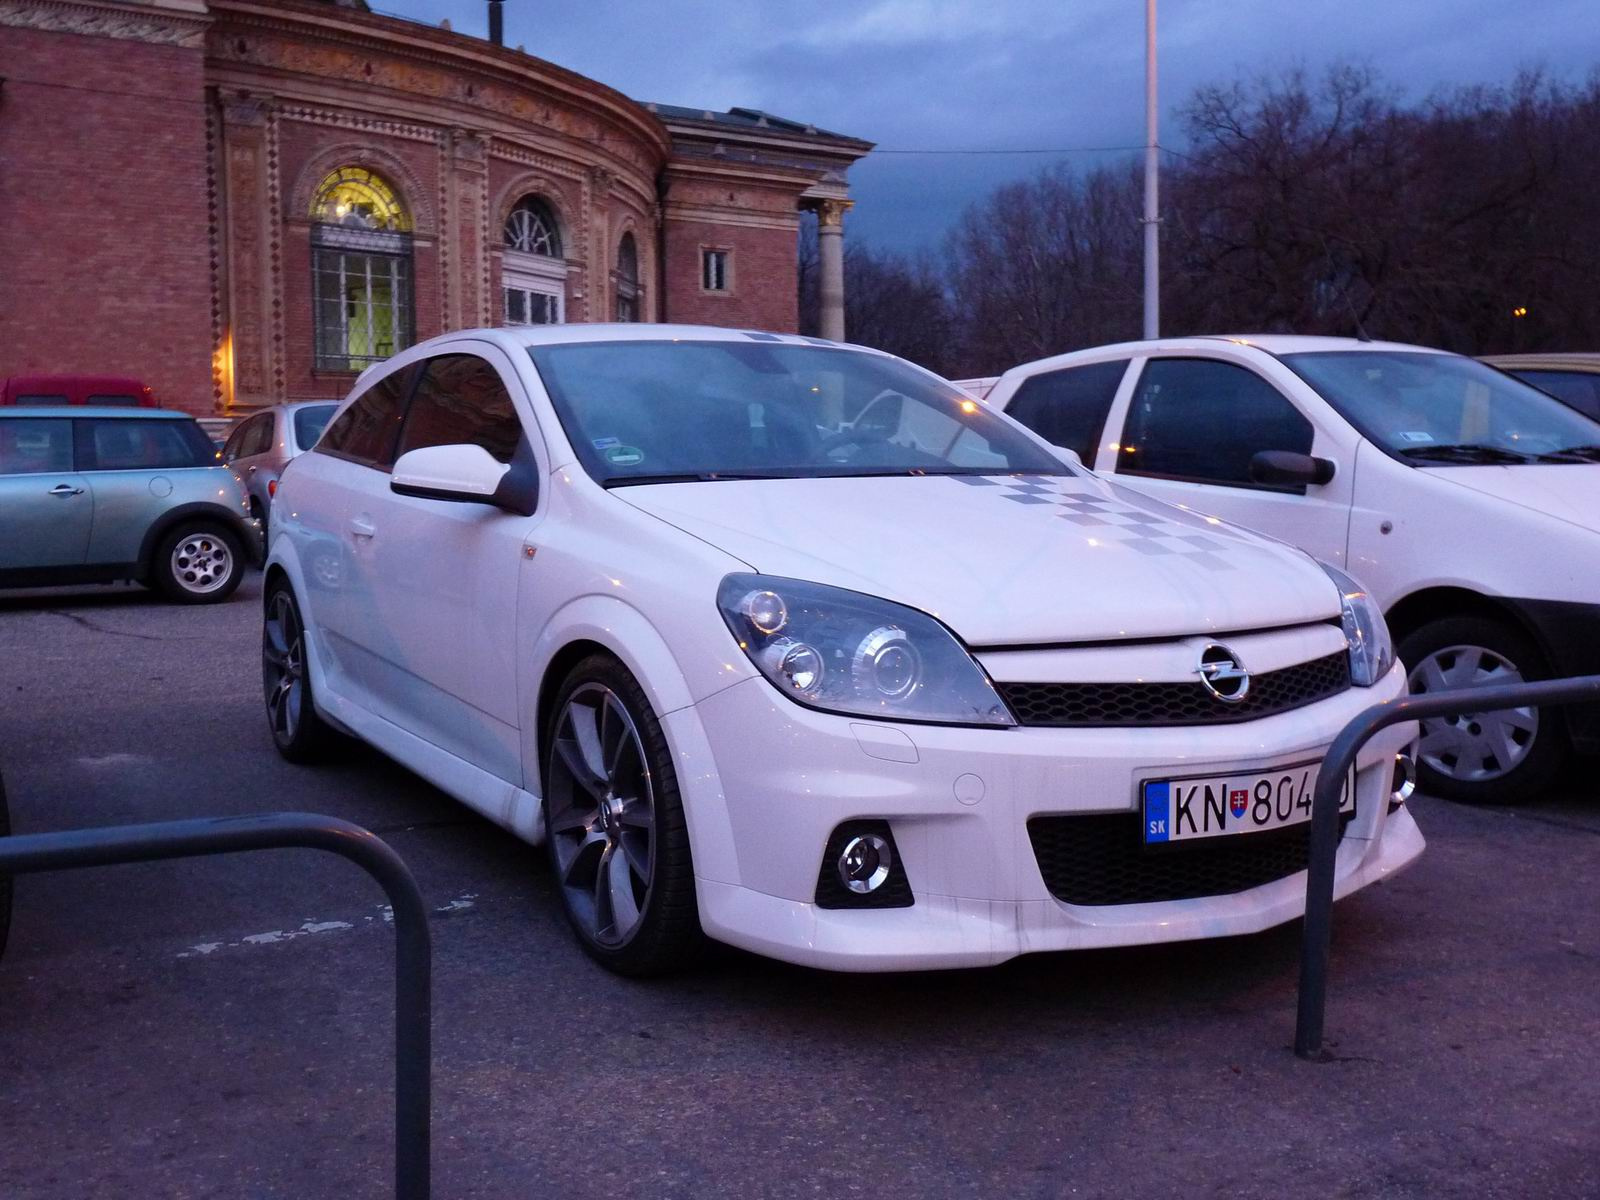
<point>1469,453</point>
<point>1572,454</point>
<point>683,477</point>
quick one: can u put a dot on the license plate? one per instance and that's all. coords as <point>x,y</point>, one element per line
<point>1206,806</point>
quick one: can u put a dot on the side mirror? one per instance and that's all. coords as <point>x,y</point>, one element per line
<point>1285,467</point>
<point>468,474</point>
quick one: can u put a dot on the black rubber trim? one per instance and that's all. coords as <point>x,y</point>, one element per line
<point>1568,634</point>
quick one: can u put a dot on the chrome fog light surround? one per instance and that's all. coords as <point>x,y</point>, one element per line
<point>1405,780</point>
<point>864,863</point>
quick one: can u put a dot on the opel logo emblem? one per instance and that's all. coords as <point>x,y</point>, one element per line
<point>1223,674</point>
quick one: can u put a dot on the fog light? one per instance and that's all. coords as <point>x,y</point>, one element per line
<point>864,864</point>
<point>1405,780</point>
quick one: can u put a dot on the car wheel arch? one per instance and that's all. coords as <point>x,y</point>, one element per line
<point>199,511</point>
<point>1417,609</point>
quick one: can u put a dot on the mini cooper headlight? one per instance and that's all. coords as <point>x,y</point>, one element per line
<point>847,652</point>
<point>1371,647</point>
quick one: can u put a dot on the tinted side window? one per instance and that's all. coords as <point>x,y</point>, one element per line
<point>259,438</point>
<point>1068,407</point>
<point>120,400</point>
<point>1196,419</point>
<point>32,447</point>
<point>461,400</point>
<point>39,400</point>
<point>365,432</point>
<point>1576,389</point>
<point>144,445</point>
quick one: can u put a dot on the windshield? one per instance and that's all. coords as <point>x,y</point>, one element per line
<point>310,422</point>
<point>662,411</point>
<point>1442,410</point>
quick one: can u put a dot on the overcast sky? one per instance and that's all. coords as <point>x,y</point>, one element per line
<point>1007,74</point>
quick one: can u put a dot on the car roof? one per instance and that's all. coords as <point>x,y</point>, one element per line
<point>119,381</point>
<point>22,411</point>
<point>1549,362</point>
<point>1270,343</point>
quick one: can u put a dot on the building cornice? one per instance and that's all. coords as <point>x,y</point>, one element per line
<point>180,23</point>
<point>439,49</point>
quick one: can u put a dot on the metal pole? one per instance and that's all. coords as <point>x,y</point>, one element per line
<point>1152,167</point>
<point>413,1072</point>
<point>1317,931</point>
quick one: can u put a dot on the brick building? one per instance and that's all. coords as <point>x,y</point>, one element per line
<point>247,201</point>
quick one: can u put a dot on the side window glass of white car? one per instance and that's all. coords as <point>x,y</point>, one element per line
<point>1201,420</point>
<point>461,400</point>
<point>1068,408</point>
<point>366,431</point>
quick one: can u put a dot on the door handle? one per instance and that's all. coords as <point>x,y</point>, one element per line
<point>251,469</point>
<point>362,528</point>
<point>66,489</point>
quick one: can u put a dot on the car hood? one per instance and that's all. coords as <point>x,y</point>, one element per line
<point>1006,560</point>
<point>1567,491</point>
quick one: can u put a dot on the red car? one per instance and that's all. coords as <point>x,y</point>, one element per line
<point>116,391</point>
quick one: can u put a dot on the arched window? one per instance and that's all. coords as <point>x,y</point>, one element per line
<point>361,270</point>
<point>627,279</point>
<point>533,273</point>
<point>531,229</point>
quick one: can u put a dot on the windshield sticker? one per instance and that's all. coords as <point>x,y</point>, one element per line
<point>606,443</point>
<point>1415,436</point>
<point>624,456</point>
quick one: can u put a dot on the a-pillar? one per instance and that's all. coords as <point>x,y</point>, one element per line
<point>830,253</point>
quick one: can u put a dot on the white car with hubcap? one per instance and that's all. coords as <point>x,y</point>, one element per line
<point>1468,501</point>
<point>798,647</point>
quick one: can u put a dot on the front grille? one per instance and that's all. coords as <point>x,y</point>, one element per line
<point>1099,859</point>
<point>1187,703</point>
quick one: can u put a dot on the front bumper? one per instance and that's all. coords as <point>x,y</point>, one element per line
<point>765,782</point>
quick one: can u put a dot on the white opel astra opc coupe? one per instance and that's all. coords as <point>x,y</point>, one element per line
<point>796,646</point>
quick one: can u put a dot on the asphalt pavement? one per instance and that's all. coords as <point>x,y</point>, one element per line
<point>223,1027</point>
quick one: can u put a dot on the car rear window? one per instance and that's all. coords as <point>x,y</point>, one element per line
<point>117,445</point>
<point>40,400</point>
<point>116,400</point>
<point>310,422</point>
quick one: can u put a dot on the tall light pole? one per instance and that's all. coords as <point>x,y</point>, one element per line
<point>1152,165</point>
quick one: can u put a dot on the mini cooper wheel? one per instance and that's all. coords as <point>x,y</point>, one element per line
<point>300,734</point>
<point>1506,757</point>
<point>198,564</point>
<point>614,825</point>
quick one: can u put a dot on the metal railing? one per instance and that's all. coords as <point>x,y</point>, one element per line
<point>1317,932</point>
<point>413,1073</point>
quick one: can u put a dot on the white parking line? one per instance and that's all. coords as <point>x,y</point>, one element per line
<point>309,927</point>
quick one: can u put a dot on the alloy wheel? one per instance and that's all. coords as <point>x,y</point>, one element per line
<point>283,661</point>
<point>202,563</point>
<point>1476,747</point>
<point>601,808</point>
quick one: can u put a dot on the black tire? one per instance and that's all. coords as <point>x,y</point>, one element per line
<point>198,562</point>
<point>298,730</point>
<point>5,880</point>
<point>665,932</point>
<point>1451,758</point>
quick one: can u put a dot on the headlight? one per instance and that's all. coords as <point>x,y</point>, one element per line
<point>1371,648</point>
<point>851,653</point>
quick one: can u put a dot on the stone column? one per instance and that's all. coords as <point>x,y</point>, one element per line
<point>830,252</point>
<point>249,238</point>
<point>470,304</point>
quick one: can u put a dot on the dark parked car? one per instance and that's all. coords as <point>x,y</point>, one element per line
<point>93,495</point>
<point>101,391</point>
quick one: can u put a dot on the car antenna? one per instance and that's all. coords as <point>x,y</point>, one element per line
<point>1344,294</point>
